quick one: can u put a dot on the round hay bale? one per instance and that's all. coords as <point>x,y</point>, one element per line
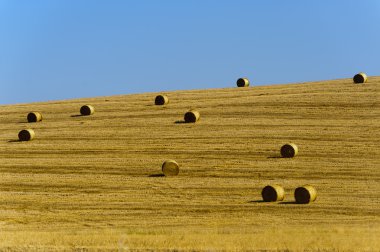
<point>360,78</point>
<point>161,100</point>
<point>305,194</point>
<point>87,110</point>
<point>289,150</point>
<point>26,135</point>
<point>272,193</point>
<point>242,82</point>
<point>170,168</point>
<point>34,117</point>
<point>192,116</point>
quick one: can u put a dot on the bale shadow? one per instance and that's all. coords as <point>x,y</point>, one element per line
<point>257,201</point>
<point>76,115</point>
<point>288,203</point>
<point>275,157</point>
<point>179,122</point>
<point>14,141</point>
<point>156,175</point>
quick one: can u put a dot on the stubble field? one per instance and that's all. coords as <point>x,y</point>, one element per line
<point>93,182</point>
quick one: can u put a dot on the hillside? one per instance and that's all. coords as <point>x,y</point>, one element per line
<point>93,182</point>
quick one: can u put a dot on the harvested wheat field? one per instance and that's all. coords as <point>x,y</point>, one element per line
<point>95,183</point>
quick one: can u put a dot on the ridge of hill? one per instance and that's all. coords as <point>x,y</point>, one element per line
<point>94,183</point>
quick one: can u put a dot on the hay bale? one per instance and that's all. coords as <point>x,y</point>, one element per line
<point>170,168</point>
<point>192,116</point>
<point>272,193</point>
<point>305,194</point>
<point>289,150</point>
<point>87,110</point>
<point>161,100</point>
<point>242,82</point>
<point>360,78</point>
<point>34,117</point>
<point>26,135</point>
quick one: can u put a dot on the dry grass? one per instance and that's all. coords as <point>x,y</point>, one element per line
<point>86,182</point>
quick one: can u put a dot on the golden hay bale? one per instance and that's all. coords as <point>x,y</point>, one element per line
<point>242,82</point>
<point>305,194</point>
<point>360,78</point>
<point>170,168</point>
<point>26,135</point>
<point>161,100</point>
<point>192,116</point>
<point>272,193</point>
<point>34,117</point>
<point>87,110</point>
<point>289,150</point>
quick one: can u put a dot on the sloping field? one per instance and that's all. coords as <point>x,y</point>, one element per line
<point>92,183</point>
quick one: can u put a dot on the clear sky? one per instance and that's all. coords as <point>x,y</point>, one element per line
<point>61,49</point>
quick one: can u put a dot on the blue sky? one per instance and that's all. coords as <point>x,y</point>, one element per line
<point>52,49</point>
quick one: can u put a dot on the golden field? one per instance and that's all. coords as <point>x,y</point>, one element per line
<point>92,183</point>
